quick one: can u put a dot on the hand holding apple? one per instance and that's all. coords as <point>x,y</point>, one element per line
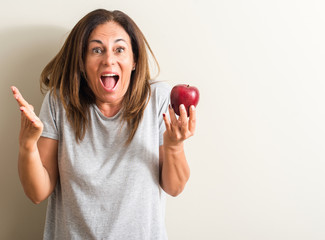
<point>183,127</point>
<point>184,94</point>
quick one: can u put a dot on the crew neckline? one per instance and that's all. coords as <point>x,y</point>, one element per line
<point>103,116</point>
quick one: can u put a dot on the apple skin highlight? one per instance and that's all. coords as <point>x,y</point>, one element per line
<point>184,94</point>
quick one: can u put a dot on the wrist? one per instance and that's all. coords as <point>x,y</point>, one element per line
<point>27,147</point>
<point>174,147</point>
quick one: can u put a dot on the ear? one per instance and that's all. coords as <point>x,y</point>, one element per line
<point>133,68</point>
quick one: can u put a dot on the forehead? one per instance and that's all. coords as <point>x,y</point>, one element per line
<point>109,30</point>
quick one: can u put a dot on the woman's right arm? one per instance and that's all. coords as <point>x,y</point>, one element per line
<point>37,160</point>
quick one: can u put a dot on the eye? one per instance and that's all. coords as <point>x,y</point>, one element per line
<point>120,49</point>
<point>97,50</point>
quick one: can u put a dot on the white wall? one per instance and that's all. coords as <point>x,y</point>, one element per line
<point>257,160</point>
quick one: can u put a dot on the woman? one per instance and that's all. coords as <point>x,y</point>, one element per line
<point>103,149</point>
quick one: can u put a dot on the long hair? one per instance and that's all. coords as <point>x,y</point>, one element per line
<point>65,74</point>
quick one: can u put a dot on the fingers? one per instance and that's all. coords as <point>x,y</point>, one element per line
<point>192,119</point>
<point>26,109</point>
<point>183,121</point>
<point>29,114</point>
<point>174,124</point>
<point>183,127</point>
<point>19,98</point>
<point>31,126</point>
<point>167,123</point>
<point>172,115</point>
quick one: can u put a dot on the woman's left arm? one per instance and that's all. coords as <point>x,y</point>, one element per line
<point>174,169</point>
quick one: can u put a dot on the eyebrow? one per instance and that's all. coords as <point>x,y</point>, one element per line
<point>100,42</point>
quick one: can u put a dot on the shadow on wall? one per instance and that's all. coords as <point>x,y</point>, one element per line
<point>24,53</point>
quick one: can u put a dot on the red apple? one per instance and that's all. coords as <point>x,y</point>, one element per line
<point>184,94</point>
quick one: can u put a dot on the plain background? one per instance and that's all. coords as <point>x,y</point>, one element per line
<point>257,159</point>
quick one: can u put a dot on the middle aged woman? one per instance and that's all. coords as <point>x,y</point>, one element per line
<point>103,147</point>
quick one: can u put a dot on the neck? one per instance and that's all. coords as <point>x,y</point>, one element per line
<point>108,109</point>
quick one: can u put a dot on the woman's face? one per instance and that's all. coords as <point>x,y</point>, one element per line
<point>109,63</point>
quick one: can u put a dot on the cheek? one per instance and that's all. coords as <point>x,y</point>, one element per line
<point>91,64</point>
<point>127,75</point>
<point>127,70</point>
<point>128,61</point>
<point>126,79</point>
<point>91,73</point>
<point>89,68</point>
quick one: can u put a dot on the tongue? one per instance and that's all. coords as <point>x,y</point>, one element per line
<point>109,82</point>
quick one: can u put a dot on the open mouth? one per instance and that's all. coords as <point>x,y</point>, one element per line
<point>109,80</point>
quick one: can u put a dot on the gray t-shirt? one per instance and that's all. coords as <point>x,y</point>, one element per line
<point>106,190</point>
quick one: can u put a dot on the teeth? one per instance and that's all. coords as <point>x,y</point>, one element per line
<point>109,75</point>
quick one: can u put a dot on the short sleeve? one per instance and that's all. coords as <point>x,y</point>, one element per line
<point>163,95</point>
<point>48,116</point>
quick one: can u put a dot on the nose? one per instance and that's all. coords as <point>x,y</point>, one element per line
<point>109,58</point>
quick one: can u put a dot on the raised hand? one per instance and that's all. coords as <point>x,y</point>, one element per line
<point>177,130</point>
<point>31,126</point>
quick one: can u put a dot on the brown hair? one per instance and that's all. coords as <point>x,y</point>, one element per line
<point>66,73</point>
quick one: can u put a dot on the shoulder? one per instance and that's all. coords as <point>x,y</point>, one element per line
<point>160,95</point>
<point>52,99</point>
<point>50,94</point>
<point>160,89</point>
<point>48,97</point>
